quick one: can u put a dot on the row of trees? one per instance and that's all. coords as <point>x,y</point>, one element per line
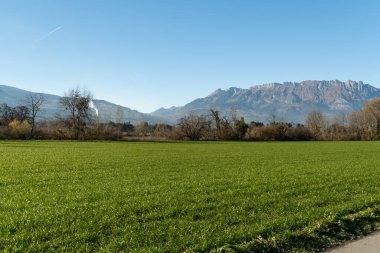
<point>358,125</point>
<point>78,121</point>
<point>22,119</point>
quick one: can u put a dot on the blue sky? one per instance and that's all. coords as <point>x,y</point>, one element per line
<point>147,54</point>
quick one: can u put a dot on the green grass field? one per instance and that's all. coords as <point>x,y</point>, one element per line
<point>172,197</point>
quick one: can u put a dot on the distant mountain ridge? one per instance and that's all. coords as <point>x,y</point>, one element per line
<point>290,101</point>
<point>107,111</point>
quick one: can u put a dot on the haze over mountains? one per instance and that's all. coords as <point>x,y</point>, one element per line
<point>290,101</point>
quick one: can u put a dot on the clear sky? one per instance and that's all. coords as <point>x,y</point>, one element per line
<point>147,54</point>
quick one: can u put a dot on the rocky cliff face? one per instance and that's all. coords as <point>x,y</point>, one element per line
<point>288,101</point>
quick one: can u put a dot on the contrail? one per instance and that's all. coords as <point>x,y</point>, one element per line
<point>49,34</point>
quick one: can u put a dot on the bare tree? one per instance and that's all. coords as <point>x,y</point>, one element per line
<point>233,114</point>
<point>34,102</point>
<point>77,104</point>
<point>21,113</point>
<point>315,122</point>
<point>273,115</point>
<point>6,114</point>
<point>162,130</point>
<point>357,123</point>
<point>142,128</point>
<point>240,128</point>
<point>120,115</point>
<point>193,127</point>
<point>119,119</point>
<point>372,110</point>
<point>228,128</point>
<point>342,118</point>
<point>215,116</point>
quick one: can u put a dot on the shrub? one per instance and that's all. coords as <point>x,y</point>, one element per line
<point>19,129</point>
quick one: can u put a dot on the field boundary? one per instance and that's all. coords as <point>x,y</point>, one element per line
<point>318,237</point>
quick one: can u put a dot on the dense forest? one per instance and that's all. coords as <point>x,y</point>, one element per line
<point>78,122</point>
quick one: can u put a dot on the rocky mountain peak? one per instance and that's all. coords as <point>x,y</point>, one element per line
<point>291,101</point>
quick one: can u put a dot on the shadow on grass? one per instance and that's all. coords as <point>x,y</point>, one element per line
<point>315,238</point>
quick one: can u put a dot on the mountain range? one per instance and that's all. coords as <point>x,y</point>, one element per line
<point>290,101</point>
<point>107,111</point>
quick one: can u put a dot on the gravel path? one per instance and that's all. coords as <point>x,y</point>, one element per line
<point>367,244</point>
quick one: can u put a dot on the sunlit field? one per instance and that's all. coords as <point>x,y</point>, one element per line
<point>171,197</point>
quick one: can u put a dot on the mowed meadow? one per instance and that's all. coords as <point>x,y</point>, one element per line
<point>186,196</point>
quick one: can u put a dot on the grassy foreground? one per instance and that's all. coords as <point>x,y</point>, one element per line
<point>171,197</point>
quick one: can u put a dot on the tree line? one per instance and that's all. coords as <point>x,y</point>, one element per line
<point>78,121</point>
<point>362,124</point>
